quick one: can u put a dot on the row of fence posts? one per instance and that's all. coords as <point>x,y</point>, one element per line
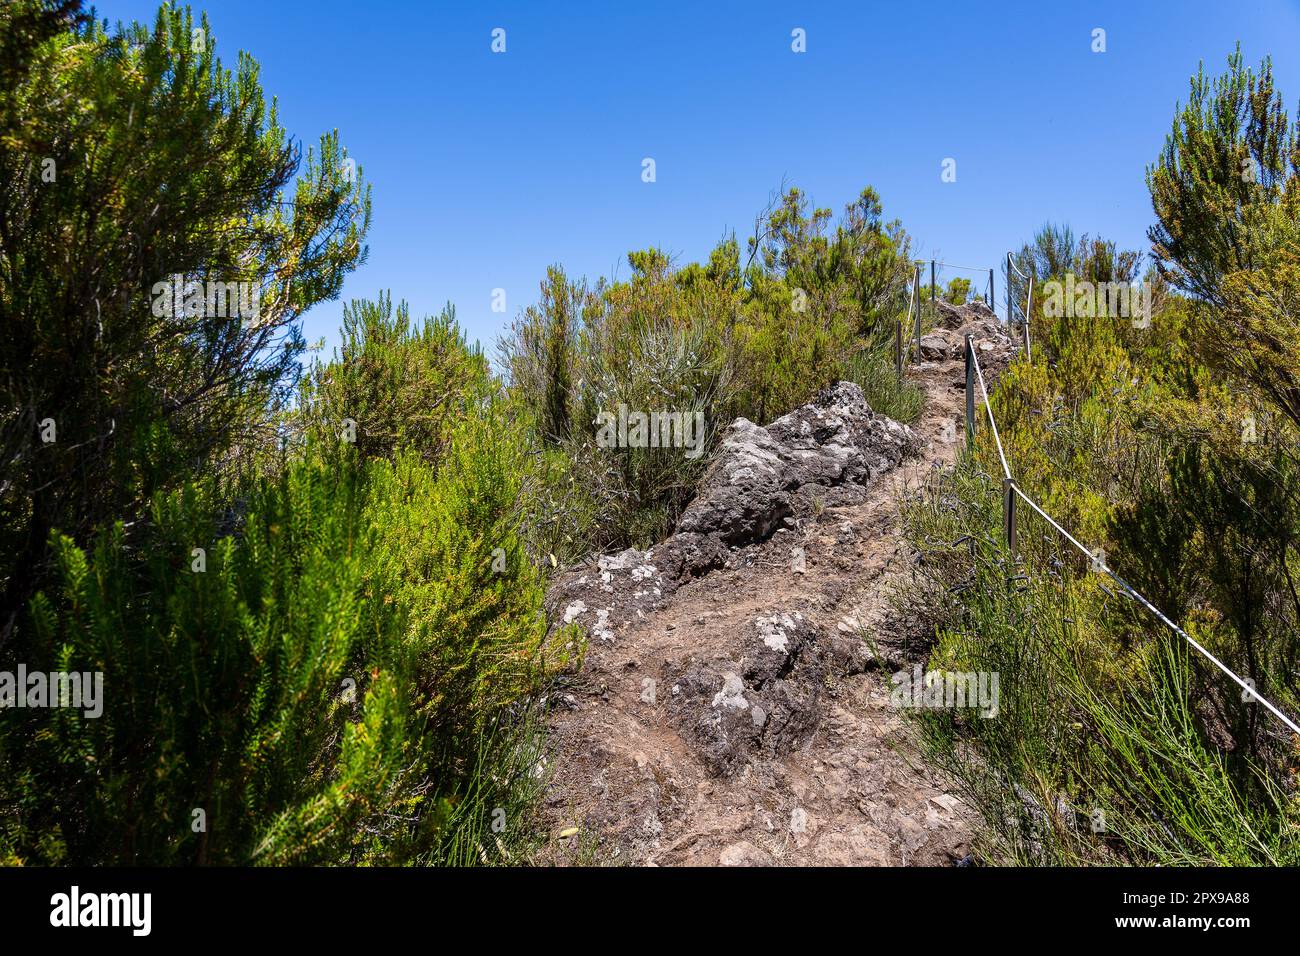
<point>916,298</point>
<point>1008,484</point>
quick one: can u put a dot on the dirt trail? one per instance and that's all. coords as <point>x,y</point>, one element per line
<point>739,714</point>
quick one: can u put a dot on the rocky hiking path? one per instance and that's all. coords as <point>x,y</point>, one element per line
<point>733,707</point>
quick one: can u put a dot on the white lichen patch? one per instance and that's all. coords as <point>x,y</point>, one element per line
<point>774,631</point>
<point>732,693</point>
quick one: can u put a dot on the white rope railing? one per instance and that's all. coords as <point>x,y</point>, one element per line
<point>911,296</point>
<point>1029,302</point>
<point>989,408</point>
<point>950,265</point>
<point>1101,565</point>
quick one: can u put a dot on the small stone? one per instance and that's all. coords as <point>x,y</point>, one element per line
<point>744,853</point>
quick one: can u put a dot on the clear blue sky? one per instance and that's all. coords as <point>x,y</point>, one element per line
<point>488,167</point>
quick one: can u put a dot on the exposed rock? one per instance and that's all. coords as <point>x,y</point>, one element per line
<point>834,440</point>
<point>956,316</point>
<point>745,853</point>
<point>737,711</point>
<point>765,700</point>
<point>935,347</point>
<point>749,492</point>
<point>947,342</point>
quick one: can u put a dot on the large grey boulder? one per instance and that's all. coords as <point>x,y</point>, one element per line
<point>834,440</point>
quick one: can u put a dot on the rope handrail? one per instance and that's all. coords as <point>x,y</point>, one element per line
<point>1029,302</point>
<point>989,408</point>
<point>950,265</point>
<point>1012,262</point>
<point>1101,565</point>
<point>911,295</point>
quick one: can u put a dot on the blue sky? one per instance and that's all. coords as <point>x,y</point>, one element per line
<point>488,167</point>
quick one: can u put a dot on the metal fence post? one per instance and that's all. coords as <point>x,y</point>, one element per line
<point>898,349</point>
<point>931,285</point>
<point>970,393</point>
<point>1010,320</point>
<point>1029,307</point>
<point>918,311</point>
<point>990,302</point>
<point>1009,513</point>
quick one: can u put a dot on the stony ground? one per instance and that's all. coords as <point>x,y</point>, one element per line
<point>733,707</point>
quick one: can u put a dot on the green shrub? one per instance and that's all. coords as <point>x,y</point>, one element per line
<point>1102,749</point>
<point>167,164</point>
<point>1136,448</point>
<point>403,387</point>
<point>873,370</point>
<point>227,690</point>
<point>325,650</point>
<point>712,338</point>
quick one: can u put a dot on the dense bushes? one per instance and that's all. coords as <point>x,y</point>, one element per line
<point>400,386</point>
<point>319,629</point>
<point>1114,741</point>
<point>1105,712</point>
<point>230,672</point>
<point>130,159</point>
<point>715,340</point>
<point>316,599</point>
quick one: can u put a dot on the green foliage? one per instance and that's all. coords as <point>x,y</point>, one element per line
<point>1173,448</point>
<point>1231,157</point>
<point>1101,751</point>
<point>873,370</point>
<point>1052,252</point>
<point>860,269</point>
<point>228,689</point>
<point>130,158</point>
<point>544,353</point>
<point>319,652</point>
<point>1226,192</point>
<point>958,291</point>
<point>715,338</point>
<point>1130,443</point>
<point>403,387</point>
